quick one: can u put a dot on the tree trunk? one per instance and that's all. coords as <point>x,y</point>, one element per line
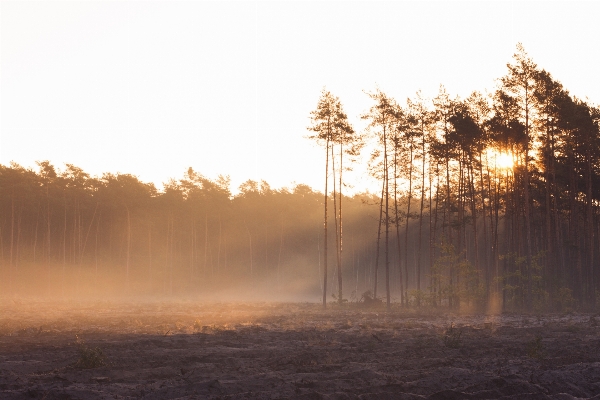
<point>205,243</point>
<point>387,220</point>
<point>378,240</point>
<point>471,182</point>
<point>35,237</point>
<point>150,256</point>
<point>486,258</point>
<point>18,247</point>
<point>251,258</point>
<point>335,217</point>
<point>550,251</point>
<point>96,247</point>
<point>432,238</point>
<point>48,234</point>
<point>590,231</point>
<point>410,174</point>
<point>397,218</point>
<point>528,298</point>
<point>12,241</point>
<point>340,248</point>
<point>64,266</point>
<point>219,248</point>
<point>279,256</point>
<point>448,221</point>
<point>325,223</point>
<point>128,247</point>
<point>419,247</point>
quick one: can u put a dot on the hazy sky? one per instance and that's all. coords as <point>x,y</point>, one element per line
<point>151,88</point>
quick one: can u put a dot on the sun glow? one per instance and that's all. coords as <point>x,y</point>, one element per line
<point>502,160</point>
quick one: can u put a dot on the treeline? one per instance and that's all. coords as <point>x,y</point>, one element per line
<point>501,192</point>
<point>67,233</point>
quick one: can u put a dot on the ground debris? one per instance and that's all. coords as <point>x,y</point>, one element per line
<point>188,350</point>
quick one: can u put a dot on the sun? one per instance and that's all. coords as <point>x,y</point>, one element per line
<point>502,160</point>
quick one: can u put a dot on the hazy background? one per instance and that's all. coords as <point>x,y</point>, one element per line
<point>151,88</point>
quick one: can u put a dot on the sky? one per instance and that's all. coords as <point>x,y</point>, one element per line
<point>152,88</point>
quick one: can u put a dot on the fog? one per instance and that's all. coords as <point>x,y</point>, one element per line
<point>72,236</point>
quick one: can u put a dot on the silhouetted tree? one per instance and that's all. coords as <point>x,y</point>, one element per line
<point>330,124</point>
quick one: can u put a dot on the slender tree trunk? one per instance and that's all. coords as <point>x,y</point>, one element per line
<point>486,258</point>
<point>279,256</point>
<point>205,243</point>
<point>48,234</point>
<point>72,255</point>
<point>387,220</point>
<point>574,232</point>
<point>493,227</point>
<point>507,225</point>
<point>590,231</point>
<point>64,266</point>
<point>528,298</point>
<point>219,248</point>
<point>419,247</point>
<point>325,223</point>
<point>128,248</point>
<point>96,248</point>
<point>430,221</point>
<point>340,248</point>
<point>149,255</point>
<point>560,265</point>
<point>397,217</point>
<point>1,250</point>
<point>18,247</point>
<point>251,258</point>
<point>225,252</point>
<point>35,238</point>
<point>193,250</point>
<point>172,253</point>
<point>459,203</point>
<point>460,227</point>
<point>448,222</point>
<point>12,240</point>
<point>378,240</point>
<point>410,174</point>
<point>550,256</point>
<point>471,182</point>
<point>336,221</point>
<point>434,236</point>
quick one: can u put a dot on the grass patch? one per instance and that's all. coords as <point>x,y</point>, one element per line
<point>535,348</point>
<point>452,337</point>
<point>89,357</point>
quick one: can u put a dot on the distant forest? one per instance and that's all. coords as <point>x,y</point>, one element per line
<point>487,203</point>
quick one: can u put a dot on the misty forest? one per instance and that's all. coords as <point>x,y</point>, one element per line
<point>486,202</point>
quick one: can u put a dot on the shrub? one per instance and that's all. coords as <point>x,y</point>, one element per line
<point>535,348</point>
<point>89,357</point>
<point>452,337</point>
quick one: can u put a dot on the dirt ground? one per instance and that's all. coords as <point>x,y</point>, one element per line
<point>170,350</point>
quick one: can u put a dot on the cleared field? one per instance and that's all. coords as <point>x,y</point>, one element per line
<point>174,350</point>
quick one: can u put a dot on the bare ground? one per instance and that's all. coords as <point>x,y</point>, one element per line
<point>105,350</point>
